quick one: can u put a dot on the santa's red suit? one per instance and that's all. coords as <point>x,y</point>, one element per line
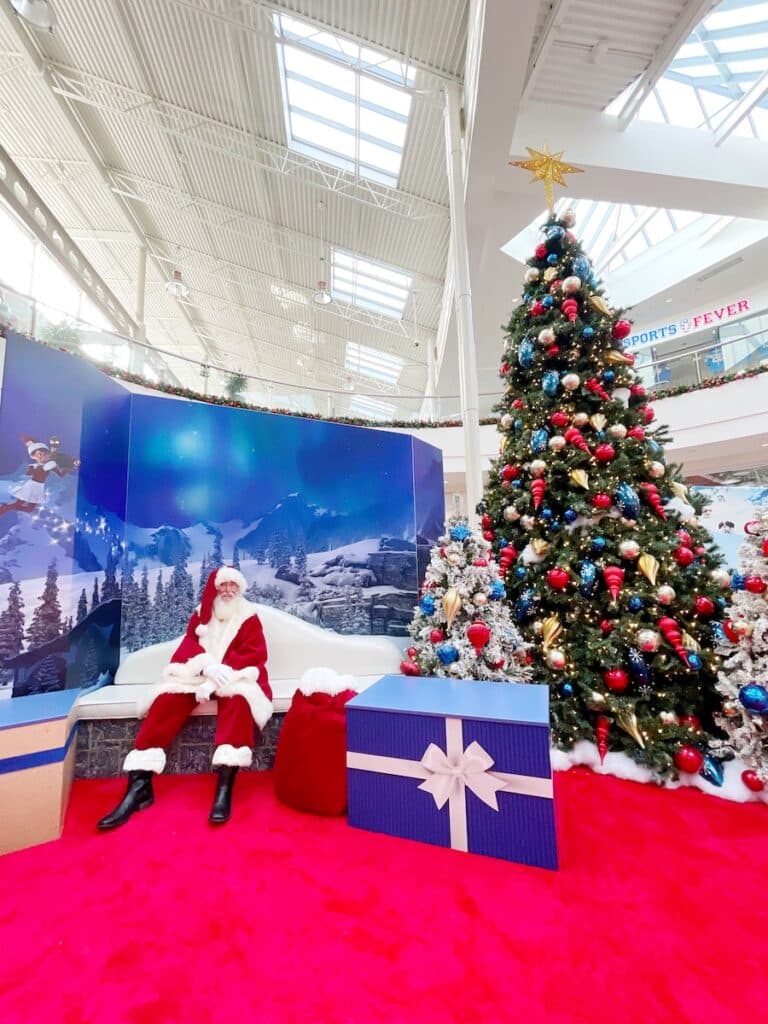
<point>223,655</point>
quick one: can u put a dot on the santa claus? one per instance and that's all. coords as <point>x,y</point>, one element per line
<point>224,656</point>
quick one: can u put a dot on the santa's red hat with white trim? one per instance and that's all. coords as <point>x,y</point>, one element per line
<point>226,574</point>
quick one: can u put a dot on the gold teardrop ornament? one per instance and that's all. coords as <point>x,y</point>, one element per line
<point>679,490</point>
<point>551,630</point>
<point>451,606</point>
<point>598,303</point>
<point>649,567</point>
<point>598,421</point>
<point>580,478</point>
<point>627,720</point>
<point>616,358</point>
<point>540,546</point>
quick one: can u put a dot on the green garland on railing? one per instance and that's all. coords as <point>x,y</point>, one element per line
<point>356,421</point>
<point>706,385</point>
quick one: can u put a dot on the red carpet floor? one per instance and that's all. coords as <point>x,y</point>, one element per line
<point>658,914</point>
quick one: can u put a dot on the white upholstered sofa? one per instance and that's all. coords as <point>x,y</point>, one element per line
<point>293,647</point>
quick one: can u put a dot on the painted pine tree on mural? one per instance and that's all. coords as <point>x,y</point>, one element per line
<point>12,625</point>
<point>46,621</point>
<point>609,575</point>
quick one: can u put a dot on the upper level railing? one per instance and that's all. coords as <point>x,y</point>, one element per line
<point>359,400</point>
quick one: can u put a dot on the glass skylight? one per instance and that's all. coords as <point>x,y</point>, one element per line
<point>370,362</point>
<point>370,285</point>
<point>371,408</point>
<point>721,60</point>
<point>345,104</point>
<point>612,233</point>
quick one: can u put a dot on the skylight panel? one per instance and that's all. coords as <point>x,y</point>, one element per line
<point>730,17</point>
<point>371,408</point>
<point>370,285</point>
<point>371,362</point>
<point>344,104</point>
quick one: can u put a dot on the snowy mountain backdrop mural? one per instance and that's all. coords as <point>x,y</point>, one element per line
<point>323,519</point>
<point>729,508</point>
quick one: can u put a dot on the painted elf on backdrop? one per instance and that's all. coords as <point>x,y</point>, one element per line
<point>45,458</point>
<point>222,656</point>
<point>608,572</point>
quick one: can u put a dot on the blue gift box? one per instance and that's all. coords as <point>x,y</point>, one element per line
<point>454,762</point>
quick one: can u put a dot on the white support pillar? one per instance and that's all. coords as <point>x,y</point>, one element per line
<point>137,351</point>
<point>468,392</point>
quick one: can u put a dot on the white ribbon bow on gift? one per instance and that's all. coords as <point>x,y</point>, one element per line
<point>448,775</point>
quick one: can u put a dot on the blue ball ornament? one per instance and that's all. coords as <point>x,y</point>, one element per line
<point>521,572</point>
<point>712,770</point>
<point>635,604</point>
<point>737,581</point>
<point>588,333</point>
<point>694,661</point>
<point>598,544</point>
<point>526,296</point>
<point>570,515</point>
<point>547,302</point>
<point>427,604</point>
<point>550,382</point>
<point>609,376</point>
<point>582,267</point>
<point>547,514</point>
<point>518,424</point>
<point>566,690</point>
<point>503,542</point>
<point>497,590</point>
<point>447,654</point>
<point>754,698</point>
<point>554,526</point>
<point>552,259</point>
<point>459,532</point>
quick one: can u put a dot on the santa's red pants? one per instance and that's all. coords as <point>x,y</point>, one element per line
<point>169,711</point>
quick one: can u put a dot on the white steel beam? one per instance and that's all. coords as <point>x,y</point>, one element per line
<point>687,21</point>
<point>741,109</point>
<point>555,16</point>
<point>191,128</point>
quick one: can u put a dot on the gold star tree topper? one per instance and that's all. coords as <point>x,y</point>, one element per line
<point>546,167</point>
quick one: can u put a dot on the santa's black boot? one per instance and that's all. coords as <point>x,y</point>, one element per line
<point>137,797</point>
<point>222,802</point>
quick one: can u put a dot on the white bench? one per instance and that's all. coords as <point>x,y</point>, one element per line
<point>293,646</point>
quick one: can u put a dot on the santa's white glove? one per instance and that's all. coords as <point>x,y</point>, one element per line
<point>219,674</point>
<point>205,691</point>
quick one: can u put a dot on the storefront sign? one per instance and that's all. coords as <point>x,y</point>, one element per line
<point>689,324</point>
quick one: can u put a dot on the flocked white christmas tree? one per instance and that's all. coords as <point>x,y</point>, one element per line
<point>743,680</point>
<point>463,627</point>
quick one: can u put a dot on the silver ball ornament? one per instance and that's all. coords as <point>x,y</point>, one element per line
<point>531,275</point>
<point>511,514</point>
<point>537,467</point>
<point>571,284</point>
<point>546,336</point>
<point>480,599</point>
<point>506,421</point>
<point>648,640</point>
<point>555,659</point>
<point>656,470</point>
<point>629,549</point>
<point>557,443</point>
<point>665,594</point>
<point>617,430</point>
<point>571,381</point>
<point>580,419</point>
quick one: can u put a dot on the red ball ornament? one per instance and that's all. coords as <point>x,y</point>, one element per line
<point>621,329</point>
<point>486,522</point>
<point>685,538</point>
<point>683,555</point>
<point>602,500</point>
<point>629,356</point>
<point>637,390</point>
<point>765,547</point>
<point>510,472</point>
<point>518,404</point>
<point>540,252</point>
<point>636,433</point>
<point>558,579</point>
<point>691,722</point>
<point>488,534</point>
<point>703,605</point>
<point>553,350</point>
<point>478,635</point>
<point>730,632</point>
<point>410,668</point>
<point>537,308</point>
<point>647,413</point>
<point>498,664</point>
<point>616,679</point>
<point>755,585</point>
<point>480,563</point>
<point>605,453</point>
<point>411,652</point>
<point>557,283</point>
<point>436,636</point>
<point>606,626</point>
<point>688,759</point>
<point>559,420</point>
<point>752,781</point>
<point>504,369</point>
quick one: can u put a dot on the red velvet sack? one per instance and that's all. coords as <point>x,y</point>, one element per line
<point>311,761</point>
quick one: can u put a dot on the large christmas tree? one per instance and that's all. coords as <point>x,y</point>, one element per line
<point>613,580</point>
<point>743,681</point>
<point>462,626</point>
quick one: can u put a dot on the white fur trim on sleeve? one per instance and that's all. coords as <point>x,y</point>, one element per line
<point>201,630</point>
<point>234,757</point>
<point>260,706</point>
<point>227,574</point>
<point>151,760</point>
<point>188,669</point>
<point>325,680</point>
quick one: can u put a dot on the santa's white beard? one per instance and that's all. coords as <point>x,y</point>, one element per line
<point>225,610</point>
